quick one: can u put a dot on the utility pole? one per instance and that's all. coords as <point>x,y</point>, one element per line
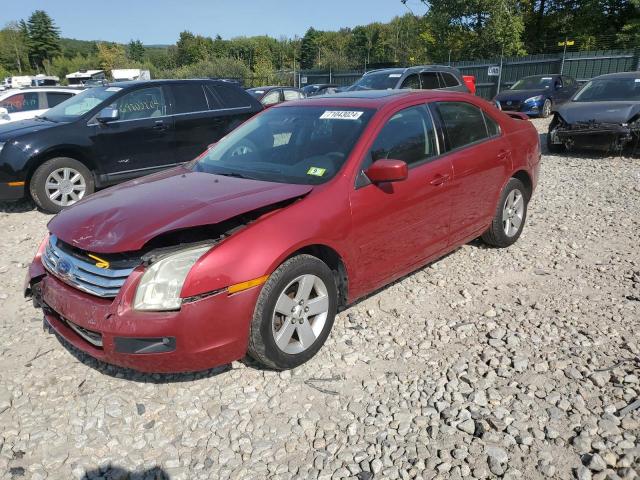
<point>564,44</point>
<point>500,71</point>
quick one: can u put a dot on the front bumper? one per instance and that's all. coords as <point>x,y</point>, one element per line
<point>532,108</point>
<point>11,190</point>
<point>608,137</point>
<point>204,333</point>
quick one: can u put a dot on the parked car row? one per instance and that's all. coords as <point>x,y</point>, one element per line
<point>105,135</point>
<point>255,245</point>
<point>25,103</point>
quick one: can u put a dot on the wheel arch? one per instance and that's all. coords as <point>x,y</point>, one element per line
<point>69,152</point>
<point>525,178</point>
<point>334,261</point>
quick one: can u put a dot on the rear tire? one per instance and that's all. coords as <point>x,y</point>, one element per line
<point>286,340</point>
<point>60,182</point>
<point>511,214</point>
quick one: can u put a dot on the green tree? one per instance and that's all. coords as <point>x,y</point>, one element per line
<point>43,38</point>
<point>111,55</point>
<point>135,51</point>
<point>309,48</point>
<point>14,52</point>
<point>193,48</point>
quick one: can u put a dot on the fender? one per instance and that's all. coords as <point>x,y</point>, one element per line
<point>258,249</point>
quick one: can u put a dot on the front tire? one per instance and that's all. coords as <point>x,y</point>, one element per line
<point>59,183</point>
<point>546,109</point>
<point>294,313</point>
<point>510,216</point>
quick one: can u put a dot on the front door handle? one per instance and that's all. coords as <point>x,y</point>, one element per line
<point>439,179</point>
<point>159,125</point>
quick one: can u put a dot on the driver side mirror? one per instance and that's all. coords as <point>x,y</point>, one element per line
<point>4,114</point>
<point>385,170</point>
<point>108,114</point>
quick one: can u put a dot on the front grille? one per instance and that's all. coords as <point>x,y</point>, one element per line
<point>81,273</point>
<point>515,105</point>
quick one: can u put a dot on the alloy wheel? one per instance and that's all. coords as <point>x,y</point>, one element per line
<point>300,314</point>
<point>512,212</point>
<point>65,186</point>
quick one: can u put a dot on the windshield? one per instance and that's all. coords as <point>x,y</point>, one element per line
<point>610,90</point>
<point>377,81</point>
<point>533,83</point>
<point>80,104</point>
<point>302,145</point>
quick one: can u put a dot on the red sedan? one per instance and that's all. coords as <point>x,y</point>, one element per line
<point>254,246</point>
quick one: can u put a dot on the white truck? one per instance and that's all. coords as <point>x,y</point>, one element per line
<point>124,74</point>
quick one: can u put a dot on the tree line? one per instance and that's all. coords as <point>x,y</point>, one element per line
<point>450,30</point>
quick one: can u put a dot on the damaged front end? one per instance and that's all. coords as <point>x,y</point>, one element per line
<point>606,137</point>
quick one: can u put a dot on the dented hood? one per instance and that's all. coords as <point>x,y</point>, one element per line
<point>607,112</point>
<point>126,217</point>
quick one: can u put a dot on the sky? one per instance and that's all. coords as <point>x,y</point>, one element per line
<point>161,21</point>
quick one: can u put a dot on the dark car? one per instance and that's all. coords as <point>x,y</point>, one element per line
<point>537,95</point>
<point>115,132</point>
<point>320,89</point>
<point>269,96</point>
<point>603,115</point>
<point>429,77</point>
<point>299,212</point>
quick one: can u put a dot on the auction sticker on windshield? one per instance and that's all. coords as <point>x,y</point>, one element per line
<point>341,115</point>
<point>317,171</point>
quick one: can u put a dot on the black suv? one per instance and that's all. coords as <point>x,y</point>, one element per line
<point>425,77</point>
<point>115,132</point>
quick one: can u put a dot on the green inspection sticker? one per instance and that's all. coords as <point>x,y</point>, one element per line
<point>318,172</point>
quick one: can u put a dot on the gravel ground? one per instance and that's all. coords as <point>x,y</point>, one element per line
<point>516,363</point>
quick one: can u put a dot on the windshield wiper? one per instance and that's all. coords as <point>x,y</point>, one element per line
<point>233,174</point>
<point>44,117</point>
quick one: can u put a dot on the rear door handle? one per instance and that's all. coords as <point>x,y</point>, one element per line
<point>439,179</point>
<point>159,125</point>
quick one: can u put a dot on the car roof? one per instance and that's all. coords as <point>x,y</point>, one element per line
<point>368,98</point>
<point>132,83</point>
<point>619,75</point>
<point>415,68</point>
<point>552,75</point>
<point>53,88</point>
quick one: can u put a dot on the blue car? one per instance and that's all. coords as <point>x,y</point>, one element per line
<point>537,95</point>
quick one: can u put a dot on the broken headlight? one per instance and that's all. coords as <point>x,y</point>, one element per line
<point>160,286</point>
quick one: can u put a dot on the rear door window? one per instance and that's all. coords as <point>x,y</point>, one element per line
<point>412,81</point>
<point>55,98</point>
<point>449,80</point>
<point>429,80</point>
<point>464,123</point>
<point>189,98</point>
<point>21,102</point>
<point>493,128</point>
<point>232,97</point>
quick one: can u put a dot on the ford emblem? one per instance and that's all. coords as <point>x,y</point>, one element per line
<point>63,267</point>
